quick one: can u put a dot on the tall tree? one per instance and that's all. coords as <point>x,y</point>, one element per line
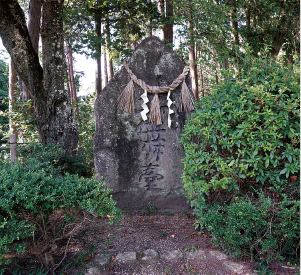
<point>127,21</point>
<point>4,84</point>
<point>166,9</point>
<point>98,84</point>
<point>234,24</point>
<point>12,95</point>
<point>105,65</point>
<point>34,23</point>
<point>168,26</point>
<point>72,94</point>
<point>192,61</point>
<point>52,111</point>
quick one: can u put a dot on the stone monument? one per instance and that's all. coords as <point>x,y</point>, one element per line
<point>140,116</point>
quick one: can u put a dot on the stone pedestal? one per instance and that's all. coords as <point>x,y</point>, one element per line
<point>139,160</point>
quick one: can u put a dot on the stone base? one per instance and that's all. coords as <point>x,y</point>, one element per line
<point>134,201</point>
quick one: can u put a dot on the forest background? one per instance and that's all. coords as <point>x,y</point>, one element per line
<point>210,36</point>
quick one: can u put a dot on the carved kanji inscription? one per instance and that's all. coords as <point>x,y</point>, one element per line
<point>153,138</point>
<point>150,176</point>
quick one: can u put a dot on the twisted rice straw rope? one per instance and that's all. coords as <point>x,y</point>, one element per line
<point>157,89</point>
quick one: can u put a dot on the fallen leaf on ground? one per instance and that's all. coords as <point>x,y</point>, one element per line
<point>87,259</point>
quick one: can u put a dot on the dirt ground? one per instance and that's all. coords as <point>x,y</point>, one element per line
<point>137,232</point>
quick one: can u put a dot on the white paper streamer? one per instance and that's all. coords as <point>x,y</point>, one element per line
<point>144,105</point>
<point>170,111</point>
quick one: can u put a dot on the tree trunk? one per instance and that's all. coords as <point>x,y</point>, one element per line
<point>108,42</point>
<point>111,69</point>
<point>198,55</point>
<point>34,23</point>
<point>168,28</point>
<point>150,27</point>
<point>62,128</point>
<point>202,82</point>
<point>12,95</point>
<point>166,10</point>
<point>98,86</point>
<point>216,73</point>
<point>192,63</point>
<point>67,77</point>
<point>73,96</point>
<point>106,68</point>
<point>279,37</point>
<point>234,25</point>
<point>52,111</point>
<point>22,88</point>
<point>161,7</point>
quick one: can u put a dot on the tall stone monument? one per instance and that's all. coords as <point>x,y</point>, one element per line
<point>140,116</point>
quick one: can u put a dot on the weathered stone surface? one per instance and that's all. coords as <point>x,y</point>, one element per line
<point>126,257</point>
<point>149,255</point>
<point>102,259</point>
<point>139,160</point>
<point>93,271</point>
<point>235,267</point>
<point>195,255</point>
<point>172,255</point>
<point>218,254</point>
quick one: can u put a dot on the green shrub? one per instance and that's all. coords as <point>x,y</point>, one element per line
<point>57,157</point>
<point>41,203</point>
<point>242,149</point>
<point>86,126</point>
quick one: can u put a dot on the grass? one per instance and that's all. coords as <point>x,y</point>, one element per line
<point>191,249</point>
<point>262,268</point>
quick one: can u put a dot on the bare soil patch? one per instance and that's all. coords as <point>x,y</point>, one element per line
<point>137,232</point>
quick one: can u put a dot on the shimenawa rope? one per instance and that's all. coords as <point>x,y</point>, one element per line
<point>126,98</point>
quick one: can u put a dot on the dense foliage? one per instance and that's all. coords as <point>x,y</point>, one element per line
<point>86,125</point>
<point>241,170</point>
<point>57,157</point>
<point>41,204</point>
<point>3,98</point>
<point>124,22</point>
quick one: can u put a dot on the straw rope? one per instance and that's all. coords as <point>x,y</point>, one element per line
<point>125,101</point>
<point>157,89</point>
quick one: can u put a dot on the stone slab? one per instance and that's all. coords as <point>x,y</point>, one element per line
<point>126,257</point>
<point>172,255</point>
<point>195,255</point>
<point>102,259</point>
<point>219,255</point>
<point>149,255</point>
<point>141,161</point>
<point>93,271</point>
<point>235,267</point>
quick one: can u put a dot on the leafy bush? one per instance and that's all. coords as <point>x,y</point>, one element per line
<point>86,126</point>
<point>242,160</point>
<point>57,157</point>
<point>3,97</point>
<point>39,201</point>
<point>22,118</point>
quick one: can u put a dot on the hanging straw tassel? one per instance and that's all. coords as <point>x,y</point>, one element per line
<point>155,114</point>
<point>126,98</point>
<point>186,100</point>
